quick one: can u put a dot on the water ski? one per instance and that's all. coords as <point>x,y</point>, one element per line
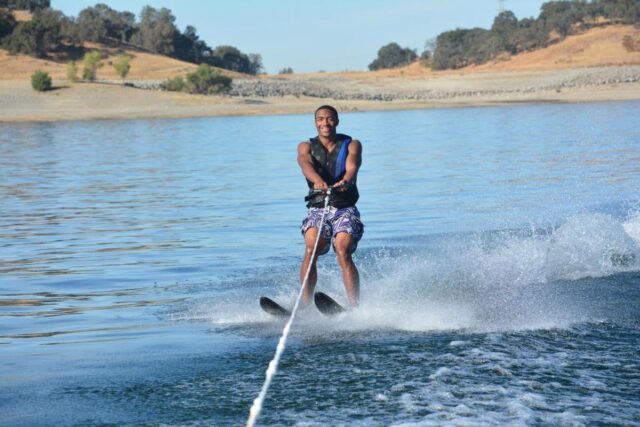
<point>327,305</point>
<point>273,308</point>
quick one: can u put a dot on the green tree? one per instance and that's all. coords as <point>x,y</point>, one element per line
<point>205,80</point>
<point>7,23</point>
<point>30,5</point>
<point>100,22</point>
<point>39,36</point>
<point>625,11</point>
<point>72,71</point>
<point>231,58</point>
<point>157,31</point>
<point>91,24</point>
<point>461,47</point>
<point>427,54</point>
<point>560,16</point>
<point>122,65</point>
<point>189,47</point>
<point>392,56</point>
<point>286,70</point>
<point>503,29</point>
<point>92,61</point>
<point>41,81</point>
<point>255,64</point>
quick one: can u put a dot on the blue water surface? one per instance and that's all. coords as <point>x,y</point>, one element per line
<point>500,271</point>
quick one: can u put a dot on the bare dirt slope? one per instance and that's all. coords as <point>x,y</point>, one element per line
<point>597,47</point>
<point>144,65</point>
<point>592,66</point>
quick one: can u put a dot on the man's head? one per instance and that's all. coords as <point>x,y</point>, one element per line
<point>326,121</point>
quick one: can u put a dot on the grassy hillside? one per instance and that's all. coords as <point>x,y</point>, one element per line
<point>598,47</point>
<point>144,65</point>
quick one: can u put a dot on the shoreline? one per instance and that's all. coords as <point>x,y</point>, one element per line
<point>282,95</point>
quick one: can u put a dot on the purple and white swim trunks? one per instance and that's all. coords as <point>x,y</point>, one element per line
<point>345,220</point>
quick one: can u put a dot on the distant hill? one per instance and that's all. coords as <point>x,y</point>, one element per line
<point>615,45</point>
<point>599,47</point>
<point>51,40</point>
<point>144,65</point>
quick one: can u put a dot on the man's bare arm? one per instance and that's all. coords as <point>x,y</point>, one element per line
<point>306,165</point>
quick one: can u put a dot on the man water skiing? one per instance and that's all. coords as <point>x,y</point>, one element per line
<point>331,160</point>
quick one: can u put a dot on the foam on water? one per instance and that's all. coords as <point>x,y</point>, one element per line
<point>506,280</point>
<point>632,227</point>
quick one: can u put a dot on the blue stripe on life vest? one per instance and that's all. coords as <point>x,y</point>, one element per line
<point>341,161</point>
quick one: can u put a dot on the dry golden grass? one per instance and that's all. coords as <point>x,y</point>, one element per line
<point>144,65</point>
<point>22,15</point>
<point>613,46</point>
<point>597,47</point>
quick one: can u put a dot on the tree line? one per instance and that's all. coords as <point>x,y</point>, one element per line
<point>558,19</point>
<point>29,5</point>
<point>50,30</point>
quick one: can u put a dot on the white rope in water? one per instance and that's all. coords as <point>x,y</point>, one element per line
<point>254,412</point>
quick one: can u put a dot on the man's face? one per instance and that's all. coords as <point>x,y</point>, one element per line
<point>326,123</point>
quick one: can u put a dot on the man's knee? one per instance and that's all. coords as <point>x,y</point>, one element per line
<point>343,247</point>
<point>323,247</point>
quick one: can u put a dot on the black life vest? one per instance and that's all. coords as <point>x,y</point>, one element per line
<point>331,166</point>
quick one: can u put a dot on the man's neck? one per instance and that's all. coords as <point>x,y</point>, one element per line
<point>328,141</point>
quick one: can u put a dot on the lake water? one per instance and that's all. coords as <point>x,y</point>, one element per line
<point>500,271</point>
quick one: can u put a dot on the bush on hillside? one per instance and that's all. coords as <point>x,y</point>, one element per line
<point>175,84</point>
<point>41,81</point>
<point>122,65</point>
<point>206,80</point>
<point>92,61</point>
<point>72,71</point>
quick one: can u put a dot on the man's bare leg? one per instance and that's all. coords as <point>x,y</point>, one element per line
<point>343,245</point>
<point>309,241</point>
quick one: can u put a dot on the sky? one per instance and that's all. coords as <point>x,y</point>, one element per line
<point>321,35</point>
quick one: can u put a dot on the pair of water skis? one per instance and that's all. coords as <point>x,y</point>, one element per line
<point>326,305</point>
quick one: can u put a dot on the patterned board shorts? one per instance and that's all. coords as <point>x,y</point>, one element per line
<point>345,220</point>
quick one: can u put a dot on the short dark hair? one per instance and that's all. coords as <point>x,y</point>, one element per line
<point>327,107</point>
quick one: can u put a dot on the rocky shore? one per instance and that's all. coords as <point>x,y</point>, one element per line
<point>436,87</point>
<point>300,94</point>
<point>424,89</point>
